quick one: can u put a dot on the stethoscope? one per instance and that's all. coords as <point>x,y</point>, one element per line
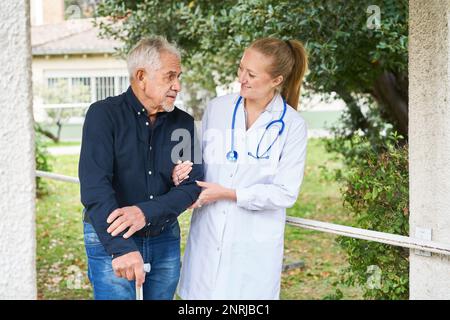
<point>232,155</point>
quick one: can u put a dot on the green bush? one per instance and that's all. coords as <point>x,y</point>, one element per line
<point>375,190</point>
<point>42,161</point>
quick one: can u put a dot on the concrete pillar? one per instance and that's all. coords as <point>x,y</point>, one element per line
<point>429,137</point>
<point>17,164</point>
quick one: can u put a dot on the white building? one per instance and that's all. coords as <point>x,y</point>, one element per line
<point>71,65</point>
<point>70,57</point>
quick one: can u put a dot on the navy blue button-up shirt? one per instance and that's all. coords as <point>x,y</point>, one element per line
<point>126,160</point>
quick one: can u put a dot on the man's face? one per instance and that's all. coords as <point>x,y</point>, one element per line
<point>162,86</point>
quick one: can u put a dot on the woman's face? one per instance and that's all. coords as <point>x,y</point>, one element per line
<point>256,82</point>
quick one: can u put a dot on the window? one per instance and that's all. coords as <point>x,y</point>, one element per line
<point>104,87</point>
<point>56,91</point>
<point>56,82</point>
<point>83,89</point>
<point>68,90</point>
<point>123,84</point>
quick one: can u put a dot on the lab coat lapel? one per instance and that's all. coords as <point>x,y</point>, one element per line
<point>272,112</point>
<point>258,135</point>
<point>240,132</point>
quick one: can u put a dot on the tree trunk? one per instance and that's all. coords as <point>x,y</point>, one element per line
<point>358,119</point>
<point>47,133</point>
<point>58,134</point>
<point>391,93</point>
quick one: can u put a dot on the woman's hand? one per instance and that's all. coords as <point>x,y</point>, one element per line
<point>181,171</point>
<point>212,192</point>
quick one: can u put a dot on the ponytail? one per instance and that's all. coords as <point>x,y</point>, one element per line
<point>290,60</point>
<point>293,83</point>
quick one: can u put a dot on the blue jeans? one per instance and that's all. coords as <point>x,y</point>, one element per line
<point>162,252</point>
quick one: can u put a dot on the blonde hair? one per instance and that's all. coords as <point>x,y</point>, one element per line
<point>290,60</point>
<point>146,53</point>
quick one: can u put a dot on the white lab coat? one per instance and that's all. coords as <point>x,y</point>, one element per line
<point>235,249</point>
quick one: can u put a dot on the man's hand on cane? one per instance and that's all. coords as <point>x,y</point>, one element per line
<point>130,266</point>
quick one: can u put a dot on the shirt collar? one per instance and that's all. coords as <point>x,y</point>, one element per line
<point>276,104</point>
<point>137,106</point>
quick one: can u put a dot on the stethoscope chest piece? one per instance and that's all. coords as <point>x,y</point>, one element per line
<point>232,156</point>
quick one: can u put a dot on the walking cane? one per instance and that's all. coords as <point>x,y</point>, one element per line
<point>139,290</point>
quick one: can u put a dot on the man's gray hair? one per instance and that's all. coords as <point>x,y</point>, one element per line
<point>146,54</point>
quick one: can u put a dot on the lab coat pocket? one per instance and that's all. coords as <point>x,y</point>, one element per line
<point>268,167</point>
<point>261,170</point>
<point>267,226</point>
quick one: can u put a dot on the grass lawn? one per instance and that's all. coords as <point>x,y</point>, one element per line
<point>319,199</point>
<point>61,261</point>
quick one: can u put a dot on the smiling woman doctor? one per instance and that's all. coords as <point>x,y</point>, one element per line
<point>254,150</point>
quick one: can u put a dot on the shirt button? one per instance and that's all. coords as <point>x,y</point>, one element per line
<point>150,173</point>
<point>139,113</point>
<point>143,109</point>
<point>149,224</point>
<point>146,123</point>
<point>150,148</point>
<point>167,221</point>
<point>231,175</point>
<point>151,196</point>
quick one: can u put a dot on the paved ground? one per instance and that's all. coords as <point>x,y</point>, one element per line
<point>64,150</point>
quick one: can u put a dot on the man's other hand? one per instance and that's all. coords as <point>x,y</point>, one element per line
<point>126,217</point>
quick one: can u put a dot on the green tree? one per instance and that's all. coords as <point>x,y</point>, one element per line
<point>375,190</point>
<point>347,55</point>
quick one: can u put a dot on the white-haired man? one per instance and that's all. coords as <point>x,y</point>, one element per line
<point>130,203</point>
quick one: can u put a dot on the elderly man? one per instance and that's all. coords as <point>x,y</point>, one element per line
<point>127,156</point>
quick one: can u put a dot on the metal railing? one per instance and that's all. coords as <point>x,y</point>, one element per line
<point>358,233</point>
